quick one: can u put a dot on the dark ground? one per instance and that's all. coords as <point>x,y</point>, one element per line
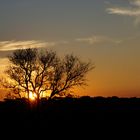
<point>87,117</point>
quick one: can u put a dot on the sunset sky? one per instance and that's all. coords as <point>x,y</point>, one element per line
<point>107,32</point>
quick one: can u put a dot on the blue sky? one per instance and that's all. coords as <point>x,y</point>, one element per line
<point>104,31</point>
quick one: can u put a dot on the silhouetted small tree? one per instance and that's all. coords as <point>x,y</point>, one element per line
<point>38,72</point>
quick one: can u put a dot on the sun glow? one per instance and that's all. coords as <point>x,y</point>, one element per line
<point>32,96</point>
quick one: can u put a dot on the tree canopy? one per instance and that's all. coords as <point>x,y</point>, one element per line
<point>36,72</point>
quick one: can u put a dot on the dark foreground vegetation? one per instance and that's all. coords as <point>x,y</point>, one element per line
<point>84,115</point>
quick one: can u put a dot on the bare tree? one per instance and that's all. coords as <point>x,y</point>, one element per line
<point>68,73</point>
<point>37,72</point>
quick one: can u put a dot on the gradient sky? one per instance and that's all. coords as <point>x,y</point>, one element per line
<point>104,31</point>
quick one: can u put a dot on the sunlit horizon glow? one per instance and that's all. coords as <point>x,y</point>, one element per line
<point>32,96</point>
<point>104,32</point>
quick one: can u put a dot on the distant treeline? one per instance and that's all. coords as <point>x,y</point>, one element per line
<point>83,104</point>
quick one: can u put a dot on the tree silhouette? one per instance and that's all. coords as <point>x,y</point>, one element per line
<point>38,72</point>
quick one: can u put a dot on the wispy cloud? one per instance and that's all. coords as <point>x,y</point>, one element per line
<point>135,2</point>
<point>124,11</point>
<point>133,10</point>
<point>96,39</point>
<point>13,45</point>
<point>7,47</point>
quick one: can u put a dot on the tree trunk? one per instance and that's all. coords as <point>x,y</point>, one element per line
<point>37,100</point>
<point>28,96</point>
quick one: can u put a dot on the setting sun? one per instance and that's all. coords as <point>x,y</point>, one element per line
<point>32,96</point>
